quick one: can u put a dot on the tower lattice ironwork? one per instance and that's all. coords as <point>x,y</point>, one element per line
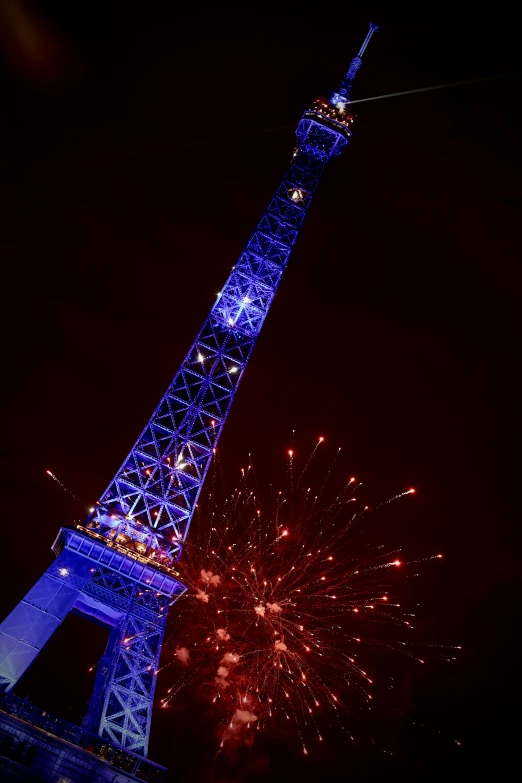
<point>119,568</point>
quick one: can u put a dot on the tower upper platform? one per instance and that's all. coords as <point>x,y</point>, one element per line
<point>325,128</point>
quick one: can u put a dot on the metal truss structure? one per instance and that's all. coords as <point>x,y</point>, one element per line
<point>119,568</point>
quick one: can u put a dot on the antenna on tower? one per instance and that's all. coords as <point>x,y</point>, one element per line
<point>343,96</point>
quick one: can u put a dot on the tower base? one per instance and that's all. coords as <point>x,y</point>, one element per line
<point>36,746</point>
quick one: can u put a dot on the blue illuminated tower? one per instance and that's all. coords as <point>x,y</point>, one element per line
<point>119,567</point>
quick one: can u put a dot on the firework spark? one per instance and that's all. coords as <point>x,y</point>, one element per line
<point>284,611</point>
<point>60,484</point>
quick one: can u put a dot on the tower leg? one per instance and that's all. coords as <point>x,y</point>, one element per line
<point>128,673</point>
<point>32,623</point>
<point>117,591</point>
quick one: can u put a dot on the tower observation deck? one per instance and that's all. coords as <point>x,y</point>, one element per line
<point>118,568</point>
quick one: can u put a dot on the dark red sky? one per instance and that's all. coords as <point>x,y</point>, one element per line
<point>135,163</point>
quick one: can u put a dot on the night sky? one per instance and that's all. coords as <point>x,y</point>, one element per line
<point>139,147</point>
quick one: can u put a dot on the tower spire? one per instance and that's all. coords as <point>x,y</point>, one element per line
<point>343,96</point>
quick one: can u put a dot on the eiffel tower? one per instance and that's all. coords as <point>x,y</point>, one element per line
<point>118,568</point>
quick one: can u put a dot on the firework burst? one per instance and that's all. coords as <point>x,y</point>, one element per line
<point>287,613</point>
